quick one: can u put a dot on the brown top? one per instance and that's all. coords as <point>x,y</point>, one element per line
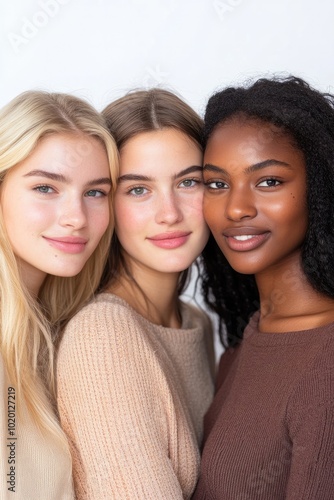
<point>270,430</point>
<point>132,396</point>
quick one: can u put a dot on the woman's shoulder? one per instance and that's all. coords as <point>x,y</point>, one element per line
<point>100,306</point>
<point>103,319</point>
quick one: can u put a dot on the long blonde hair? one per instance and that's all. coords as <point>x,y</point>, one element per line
<point>26,336</point>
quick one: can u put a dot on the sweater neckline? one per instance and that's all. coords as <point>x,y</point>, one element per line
<point>254,336</point>
<point>187,318</point>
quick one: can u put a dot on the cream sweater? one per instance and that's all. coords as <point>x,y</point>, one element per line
<point>132,396</point>
<point>31,466</point>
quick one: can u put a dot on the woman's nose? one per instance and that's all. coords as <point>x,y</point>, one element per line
<point>240,205</point>
<point>168,210</point>
<point>73,214</point>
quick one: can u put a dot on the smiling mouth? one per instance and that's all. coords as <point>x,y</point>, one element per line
<point>170,241</point>
<point>245,242</point>
<point>67,244</point>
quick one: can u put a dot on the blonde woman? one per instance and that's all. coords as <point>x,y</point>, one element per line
<point>57,166</point>
<point>134,365</point>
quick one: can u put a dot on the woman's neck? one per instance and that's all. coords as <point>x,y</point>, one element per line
<point>153,295</point>
<point>289,303</point>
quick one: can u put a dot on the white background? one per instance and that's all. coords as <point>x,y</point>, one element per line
<point>99,49</point>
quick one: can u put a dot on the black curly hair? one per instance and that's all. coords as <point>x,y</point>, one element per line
<point>307,116</point>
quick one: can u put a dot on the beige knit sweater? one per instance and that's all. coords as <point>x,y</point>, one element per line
<point>132,396</point>
<point>32,467</point>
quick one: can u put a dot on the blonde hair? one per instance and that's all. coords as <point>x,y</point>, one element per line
<point>26,336</point>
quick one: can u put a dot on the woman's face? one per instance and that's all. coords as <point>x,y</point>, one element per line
<point>158,202</point>
<point>255,195</point>
<point>55,206</point>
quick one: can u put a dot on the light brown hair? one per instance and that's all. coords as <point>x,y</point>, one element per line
<point>137,112</point>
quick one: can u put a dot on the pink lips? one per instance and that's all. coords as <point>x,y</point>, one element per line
<point>67,244</point>
<point>244,239</point>
<point>170,240</point>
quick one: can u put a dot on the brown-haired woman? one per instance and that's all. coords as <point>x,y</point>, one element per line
<point>136,357</point>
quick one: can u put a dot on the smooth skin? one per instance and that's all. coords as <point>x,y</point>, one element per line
<point>159,219</point>
<point>55,206</point>
<point>255,206</point>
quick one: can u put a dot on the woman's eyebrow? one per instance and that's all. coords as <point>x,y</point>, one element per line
<point>252,168</point>
<point>213,168</point>
<point>62,178</point>
<point>49,175</point>
<point>189,170</point>
<point>266,163</point>
<point>136,177</point>
<point>208,167</point>
<point>101,180</point>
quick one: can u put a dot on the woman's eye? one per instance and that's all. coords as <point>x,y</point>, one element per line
<point>215,185</point>
<point>138,191</point>
<point>271,182</point>
<point>187,183</point>
<point>95,193</point>
<point>44,189</point>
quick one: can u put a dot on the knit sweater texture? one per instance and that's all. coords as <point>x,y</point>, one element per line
<point>32,466</point>
<point>132,396</point>
<point>270,430</point>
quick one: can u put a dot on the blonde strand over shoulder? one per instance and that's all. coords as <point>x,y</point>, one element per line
<point>28,326</point>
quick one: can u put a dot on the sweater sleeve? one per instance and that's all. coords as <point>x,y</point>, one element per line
<point>311,426</point>
<point>115,408</point>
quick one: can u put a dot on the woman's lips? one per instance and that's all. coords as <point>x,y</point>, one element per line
<point>245,239</point>
<point>170,240</point>
<point>67,244</point>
